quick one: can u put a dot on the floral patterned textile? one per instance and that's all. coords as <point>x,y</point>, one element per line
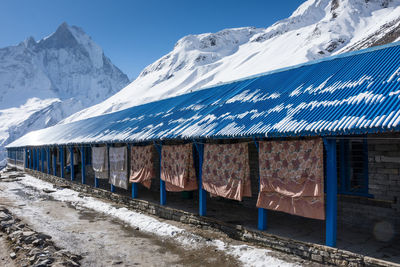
<point>292,177</point>
<point>100,162</point>
<point>226,170</point>
<point>142,165</point>
<point>119,167</point>
<point>177,168</point>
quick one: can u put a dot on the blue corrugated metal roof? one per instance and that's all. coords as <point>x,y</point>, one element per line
<point>354,93</point>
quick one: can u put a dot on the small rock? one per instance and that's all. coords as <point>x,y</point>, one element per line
<point>28,233</point>
<point>71,263</point>
<point>4,216</point>
<point>32,259</point>
<point>48,191</point>
<point>13,255</point>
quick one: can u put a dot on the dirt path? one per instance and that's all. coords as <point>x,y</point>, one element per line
<point>104,240</point>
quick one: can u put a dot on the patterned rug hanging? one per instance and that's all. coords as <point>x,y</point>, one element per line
<point>119,167</point>
<point>226,170</point>
<point>292,177</point>
<point>142,165</point>
<point>100,162</point>
<point>177,168</point>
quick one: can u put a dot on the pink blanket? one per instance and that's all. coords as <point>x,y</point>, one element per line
<point>292,177</point>
<point>142,165</point>
<point>226,170</point>
<point>177,168</point>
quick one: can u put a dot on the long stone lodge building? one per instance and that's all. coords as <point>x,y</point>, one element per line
<point>319,140</point>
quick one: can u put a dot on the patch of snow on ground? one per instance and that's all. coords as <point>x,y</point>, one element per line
<point>248,255</point>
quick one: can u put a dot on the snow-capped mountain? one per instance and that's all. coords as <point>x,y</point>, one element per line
<point>317,29</point>
<point>42,82</point>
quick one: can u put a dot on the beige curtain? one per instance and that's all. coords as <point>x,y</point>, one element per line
<point>292,177</point>
<point>100,162</point>
<point>119,166</point>
<point>142,165</point>
<point>177,168</point>
<point>226,170</point>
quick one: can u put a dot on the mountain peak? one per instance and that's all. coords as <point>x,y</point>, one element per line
<point>61,38</point>
<point>30,42</point>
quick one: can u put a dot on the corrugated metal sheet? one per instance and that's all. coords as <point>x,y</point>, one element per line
<point>355,93</point>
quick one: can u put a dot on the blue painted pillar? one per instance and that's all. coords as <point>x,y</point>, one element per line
<point>37,159</point>
<point>48,159</point>
<point>163,192</point>
<point>331,192</point>
<point>42,159</point>
<point>96,180</point>
<point>26,157</point>
<point>202,192</point>
<point>15,156</point>
<point>83,163</point>
<point>55,162</point>
<point>134,185</point>
<point>62,162</point>
<point>262,213</point>
<point>71,159</point>
<point>30,158</point>
<point>32,163</point>
<point>112,187</point>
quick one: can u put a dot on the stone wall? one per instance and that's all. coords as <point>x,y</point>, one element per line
<point>383,208</point>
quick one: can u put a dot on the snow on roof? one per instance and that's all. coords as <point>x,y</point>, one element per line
<point>354,93</point>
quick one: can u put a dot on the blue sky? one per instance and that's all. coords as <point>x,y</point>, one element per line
<point>135,33</point>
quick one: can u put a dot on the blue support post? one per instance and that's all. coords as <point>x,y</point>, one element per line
<point>71,159</point>
<point>331,192</point>
<point>83,168</point>
<point>134,185</point>
<point>262,213</point>
<point>96,180</point>
<point>62,162</point>
<point>42,159</point>
<point>15,157</point>
<point>163,191</point>
<point>55,162</point>
<point>48,159</point>
<point>26,158</point>
<point>202,192</point>
<point>112,187</point>
<point>30,159</point>
<point>37,159</point>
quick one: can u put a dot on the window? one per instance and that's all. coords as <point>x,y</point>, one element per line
<point>353,167</point>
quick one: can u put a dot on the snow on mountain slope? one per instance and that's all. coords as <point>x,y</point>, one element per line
<point>317,29</point>
<point>45,81</point>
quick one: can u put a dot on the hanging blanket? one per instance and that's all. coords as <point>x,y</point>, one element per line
<point>100,162</point>
<point>177,168</point>
<point>119,167</point>
<point>226,170</point>
<point>76,157</point>
<point>142,165</point>
<point>292,177</point>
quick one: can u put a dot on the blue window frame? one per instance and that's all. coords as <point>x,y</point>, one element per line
<point>353,167</point>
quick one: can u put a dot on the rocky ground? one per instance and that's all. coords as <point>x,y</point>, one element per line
<point>30,248</point>
<point>50,226</point>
